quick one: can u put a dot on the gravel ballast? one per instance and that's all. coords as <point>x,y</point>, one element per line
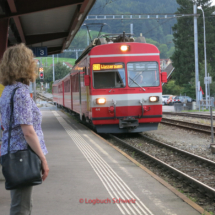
<point>191,141</point>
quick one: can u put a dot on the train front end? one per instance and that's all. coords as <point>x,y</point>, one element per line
<point>126,87</point>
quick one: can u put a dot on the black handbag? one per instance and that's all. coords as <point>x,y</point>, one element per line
<point>22,168</point>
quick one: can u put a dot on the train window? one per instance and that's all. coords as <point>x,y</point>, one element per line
<point>60,88</point>
<point>143,74</point>
<point>55,89</point>
<point>67,86</point>
<point>108,75</point>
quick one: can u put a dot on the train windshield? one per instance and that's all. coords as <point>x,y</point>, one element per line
<point>108,75</point>
<point>143,74</point>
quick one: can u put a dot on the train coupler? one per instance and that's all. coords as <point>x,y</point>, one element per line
<point>129,122</point>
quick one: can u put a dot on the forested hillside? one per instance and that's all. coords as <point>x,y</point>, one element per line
<point>158,32</point>
<point>154,29</point>
<point>173,37</point>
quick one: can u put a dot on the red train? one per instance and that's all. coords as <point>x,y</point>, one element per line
<point>115,85</point>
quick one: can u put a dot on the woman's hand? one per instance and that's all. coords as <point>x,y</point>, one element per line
<point>33,141</point>
<point>45,169</point>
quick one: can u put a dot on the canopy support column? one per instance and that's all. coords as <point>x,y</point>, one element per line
<point>4,24</point>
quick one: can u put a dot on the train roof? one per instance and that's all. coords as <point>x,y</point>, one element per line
<point>108,39</point>
<point>56,82</point>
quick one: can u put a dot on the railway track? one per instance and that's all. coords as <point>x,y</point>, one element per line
<point>188,173</point>
<point>199,189</point>
<point>201,116</point>
<point>43,97</point>
<point>188,125</point>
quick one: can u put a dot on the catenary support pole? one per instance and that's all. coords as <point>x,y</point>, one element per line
<point>206,82</point>
<point>212,127</point>
<point>131,28</point>
<point>196,54</point>
<point>53,68</point>
<point>76,53</point>
<point>34,91</point>
<point>88,39</point>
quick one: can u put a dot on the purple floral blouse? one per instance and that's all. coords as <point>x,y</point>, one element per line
<point>25,112</point>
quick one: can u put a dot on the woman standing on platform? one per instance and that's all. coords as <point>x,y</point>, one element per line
<point>17,70</point>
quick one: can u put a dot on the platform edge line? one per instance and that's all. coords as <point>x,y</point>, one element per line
<point>167,185</point>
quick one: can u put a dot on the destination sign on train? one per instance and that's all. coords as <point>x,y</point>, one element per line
<point>107,66</point>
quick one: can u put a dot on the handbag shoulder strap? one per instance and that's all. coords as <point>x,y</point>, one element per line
<point>11,117</point>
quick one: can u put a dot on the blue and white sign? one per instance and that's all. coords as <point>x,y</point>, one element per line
<point>39,51</point>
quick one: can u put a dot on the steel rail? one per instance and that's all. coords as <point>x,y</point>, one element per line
<point>198,185</point>
<point>201,187</point>
<point>201,116</point>
<point>197,157</point>
<point>43,97</point>
<point>188,125</point>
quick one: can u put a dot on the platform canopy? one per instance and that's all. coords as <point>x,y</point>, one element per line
<point>44,23</point>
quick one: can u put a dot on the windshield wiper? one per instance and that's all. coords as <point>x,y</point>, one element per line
<point>111,89</point>
<point>137,84</point>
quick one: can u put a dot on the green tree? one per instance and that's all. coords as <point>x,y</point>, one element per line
<point>163,50</point>
<point>170,52</point>
<point>60,72</point>
<point>155,29</point>
<point>183,57</point>
<point>169,41</point>
<point>151,41</point>
<point>172,88</point>
<point>189,90</point>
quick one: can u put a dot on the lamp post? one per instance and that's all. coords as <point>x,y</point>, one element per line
<point>205,79</point>
<point>197,86</point>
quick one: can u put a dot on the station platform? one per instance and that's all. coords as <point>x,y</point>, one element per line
<point>88,176</point>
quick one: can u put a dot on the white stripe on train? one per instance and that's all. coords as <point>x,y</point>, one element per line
<point>124,55</point>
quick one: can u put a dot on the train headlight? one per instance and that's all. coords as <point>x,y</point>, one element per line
<point>100,101</point>
<point>124,48</point>
<point>154,98</point>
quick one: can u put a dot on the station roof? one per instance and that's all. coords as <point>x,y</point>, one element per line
<point>51,23</point>
<point>169,70</point>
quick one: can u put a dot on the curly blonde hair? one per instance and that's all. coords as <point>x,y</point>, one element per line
<point>17,64</point>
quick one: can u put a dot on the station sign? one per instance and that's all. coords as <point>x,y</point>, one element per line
<point>98,67</point>
<point>208,80</point>
<point>39,51</point>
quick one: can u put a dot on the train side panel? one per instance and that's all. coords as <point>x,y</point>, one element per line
<point>79,90</point>
<point>60,93</point>
<point>75,92</point>
<point>55,93</point>
<point>67,92</point>
<point>57,90</point>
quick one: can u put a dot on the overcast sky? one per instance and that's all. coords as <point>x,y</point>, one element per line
<point>213,2</point>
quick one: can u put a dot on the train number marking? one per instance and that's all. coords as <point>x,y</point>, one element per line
<point>97,109</point>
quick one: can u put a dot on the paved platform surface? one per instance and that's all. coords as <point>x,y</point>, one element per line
<point>83,167</point>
